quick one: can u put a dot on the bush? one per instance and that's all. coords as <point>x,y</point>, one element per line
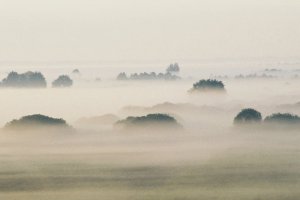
<point>282,118</point>
<point>27,79</point>
<point>36,121</point>
<point>62,81</point>
<point>208,85</point>
<point>248,115</point>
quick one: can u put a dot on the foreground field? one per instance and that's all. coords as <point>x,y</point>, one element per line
<point>250,166</point>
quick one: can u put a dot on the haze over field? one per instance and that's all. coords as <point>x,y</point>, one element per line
<point>92,108</point>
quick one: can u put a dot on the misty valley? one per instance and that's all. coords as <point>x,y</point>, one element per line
<point>166,133</point>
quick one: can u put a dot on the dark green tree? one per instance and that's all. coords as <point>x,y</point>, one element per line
<point>208,85</point>
<point>36,121</point>
<point>247,116</point>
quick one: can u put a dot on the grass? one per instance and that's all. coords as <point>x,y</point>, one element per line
<point>236,176</point>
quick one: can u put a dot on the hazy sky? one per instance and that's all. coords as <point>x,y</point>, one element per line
<point>82,30</point>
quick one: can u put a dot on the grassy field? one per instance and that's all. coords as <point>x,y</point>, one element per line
<point>263,171</point>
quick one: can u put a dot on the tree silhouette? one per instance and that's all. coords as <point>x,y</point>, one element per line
<point>36,121</point>
<point>157,119</point>
<point>248,115</point>
<point>122,76</point>
<point>208,85</point>
<point>62,81</point>
<point>173,68</point>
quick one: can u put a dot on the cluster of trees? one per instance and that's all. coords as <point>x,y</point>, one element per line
<point>168,75</point>
<point>208,85</point>
<point>27,79</point>
<point>35,121</point>
<point>33,80</point>
<point>158,119</point>
<point>250,116</point>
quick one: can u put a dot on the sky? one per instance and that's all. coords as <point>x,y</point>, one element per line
<point>148,30</point>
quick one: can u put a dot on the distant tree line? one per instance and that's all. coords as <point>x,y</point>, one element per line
<point>254,76</point>
<point>170,74</point>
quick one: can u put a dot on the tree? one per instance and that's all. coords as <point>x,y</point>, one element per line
<point>27,79</point>
<point>282,118</point>
<point>36,121</point>
<point>248,115</point>
<point>173,68</point>
<point>122,76</point>
<point>208,85</point>
<point>62,81</point>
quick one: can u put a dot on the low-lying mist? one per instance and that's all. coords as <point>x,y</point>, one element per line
<point>208,157</point>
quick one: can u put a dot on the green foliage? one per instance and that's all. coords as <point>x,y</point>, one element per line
<point>28,79</point>
<point>62,81</point>
<point>208,84</point>
<point>282,118</point>
<point>36,120</point>
<point>248,115</point>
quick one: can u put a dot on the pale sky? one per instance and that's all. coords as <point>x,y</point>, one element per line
<point>114,30</point>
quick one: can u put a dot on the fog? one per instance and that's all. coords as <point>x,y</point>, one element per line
<point>209,158</point>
